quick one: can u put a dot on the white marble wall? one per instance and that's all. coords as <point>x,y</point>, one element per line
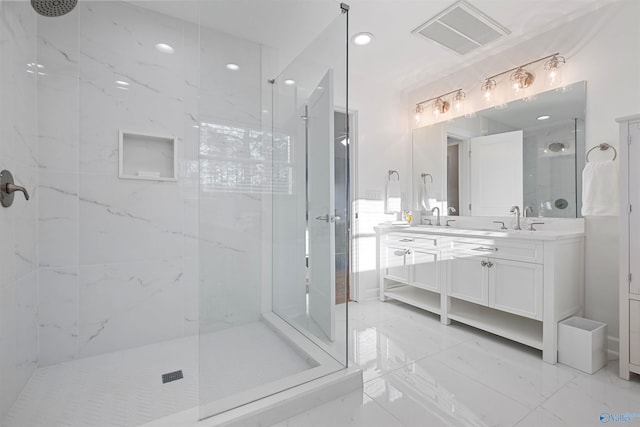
<point>118,258</point>
<point>19,223</point>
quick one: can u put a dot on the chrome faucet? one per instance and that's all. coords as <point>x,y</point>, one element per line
<point>437,209</point>
<point>517,212</point>
<point>527,211</point>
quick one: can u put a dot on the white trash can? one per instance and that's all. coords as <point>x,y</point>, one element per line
<point>582,344</point>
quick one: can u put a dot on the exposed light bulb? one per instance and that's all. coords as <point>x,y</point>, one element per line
<point>419,110</point>
<point>553,70</point>
<point>459,102</point>
<point>488,90</point>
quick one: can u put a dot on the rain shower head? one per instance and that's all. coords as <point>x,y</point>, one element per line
<point>53,8</point>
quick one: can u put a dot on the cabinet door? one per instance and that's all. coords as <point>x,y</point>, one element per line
<point>395,265</point>
<point>516,287</point>
<point>634,332</point>
<point>423,269</point>
<point>468,278</point>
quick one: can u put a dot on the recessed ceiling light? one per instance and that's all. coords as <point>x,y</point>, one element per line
<point>544,117</point>
<point>362,39</point>
<point>122,83</point>
<point>164,48</point>
<point>289,82</point>
<point>233,67</point>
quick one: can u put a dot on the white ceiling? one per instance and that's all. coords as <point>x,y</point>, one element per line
<point>396,57</point>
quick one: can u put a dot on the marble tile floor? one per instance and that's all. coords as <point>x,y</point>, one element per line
<point>417,372</point>
<point>420,373</point>
<point>124,388</point>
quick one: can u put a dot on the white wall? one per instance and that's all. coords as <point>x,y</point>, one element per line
<point>383,144</point>
<point>602,48</point>
<point>18,223</point>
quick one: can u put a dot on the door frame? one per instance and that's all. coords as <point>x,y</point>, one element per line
<point>353,283</point>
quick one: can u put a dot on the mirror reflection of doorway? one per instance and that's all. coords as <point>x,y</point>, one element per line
<point>453,181</point>
<point>341,144</point>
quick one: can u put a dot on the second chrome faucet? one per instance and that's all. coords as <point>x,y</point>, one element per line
<point>516,210</point>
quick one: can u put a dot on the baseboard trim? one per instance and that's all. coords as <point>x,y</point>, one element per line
<point>613,348</point>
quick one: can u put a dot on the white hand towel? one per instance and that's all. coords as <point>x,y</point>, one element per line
<point>393,197</point>
<point>423,198</point>
<point>600,189</point>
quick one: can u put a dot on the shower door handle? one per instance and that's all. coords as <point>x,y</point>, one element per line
<point>328,218</point>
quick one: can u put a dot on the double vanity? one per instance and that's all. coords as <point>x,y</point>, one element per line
<point>514,283</point>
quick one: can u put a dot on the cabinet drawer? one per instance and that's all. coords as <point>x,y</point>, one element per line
<point>412,240</point>
<point>514,251</point>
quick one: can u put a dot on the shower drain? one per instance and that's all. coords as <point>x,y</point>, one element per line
<point>172,376</point>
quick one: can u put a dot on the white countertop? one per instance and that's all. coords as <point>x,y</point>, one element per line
<point>489,233</point>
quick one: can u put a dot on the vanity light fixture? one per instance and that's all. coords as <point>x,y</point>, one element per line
<point>233,67</point>
<point>545,117</point>
<point>419,111</point>
<point>488,89</point>
<point>459,101</point>
<point>440,105</point>
<point>362,39</point>
<point>289,82</point>
<point>553,69</point>
<point>520,77</point>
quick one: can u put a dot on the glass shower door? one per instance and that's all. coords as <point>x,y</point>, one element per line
<point>321,206</point>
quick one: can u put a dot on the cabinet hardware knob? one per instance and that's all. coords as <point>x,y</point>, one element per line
<point>483,263</point>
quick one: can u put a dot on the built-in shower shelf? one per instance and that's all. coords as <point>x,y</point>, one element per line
<point>147,156</point>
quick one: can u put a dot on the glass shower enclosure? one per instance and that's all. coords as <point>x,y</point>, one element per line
<point>270,316</point>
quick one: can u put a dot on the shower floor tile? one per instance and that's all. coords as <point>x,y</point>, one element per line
<point>125,388</point>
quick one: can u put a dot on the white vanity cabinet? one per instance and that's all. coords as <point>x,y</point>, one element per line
<point>410,270</point>
<point>507,276</point>
<point>518,285</point>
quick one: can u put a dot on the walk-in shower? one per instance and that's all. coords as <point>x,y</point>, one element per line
<point>177,256</point>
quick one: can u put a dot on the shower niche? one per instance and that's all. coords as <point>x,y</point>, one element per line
<point>147,156</point>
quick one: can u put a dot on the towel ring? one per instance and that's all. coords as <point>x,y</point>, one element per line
<point>391,172</point>
<point>424,177</point>
<point>603,147</point>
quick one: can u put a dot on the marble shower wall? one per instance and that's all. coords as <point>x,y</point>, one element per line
<point>18,223</point>
<point>118,258</point>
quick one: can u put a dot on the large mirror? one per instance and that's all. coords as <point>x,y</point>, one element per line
<point>529,153</point>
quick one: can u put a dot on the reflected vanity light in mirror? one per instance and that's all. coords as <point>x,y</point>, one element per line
<point>544,117</point>
<point>233,67</point>
<point>289,82</point>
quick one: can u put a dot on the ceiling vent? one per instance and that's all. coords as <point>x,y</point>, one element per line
<point>461,28</point>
